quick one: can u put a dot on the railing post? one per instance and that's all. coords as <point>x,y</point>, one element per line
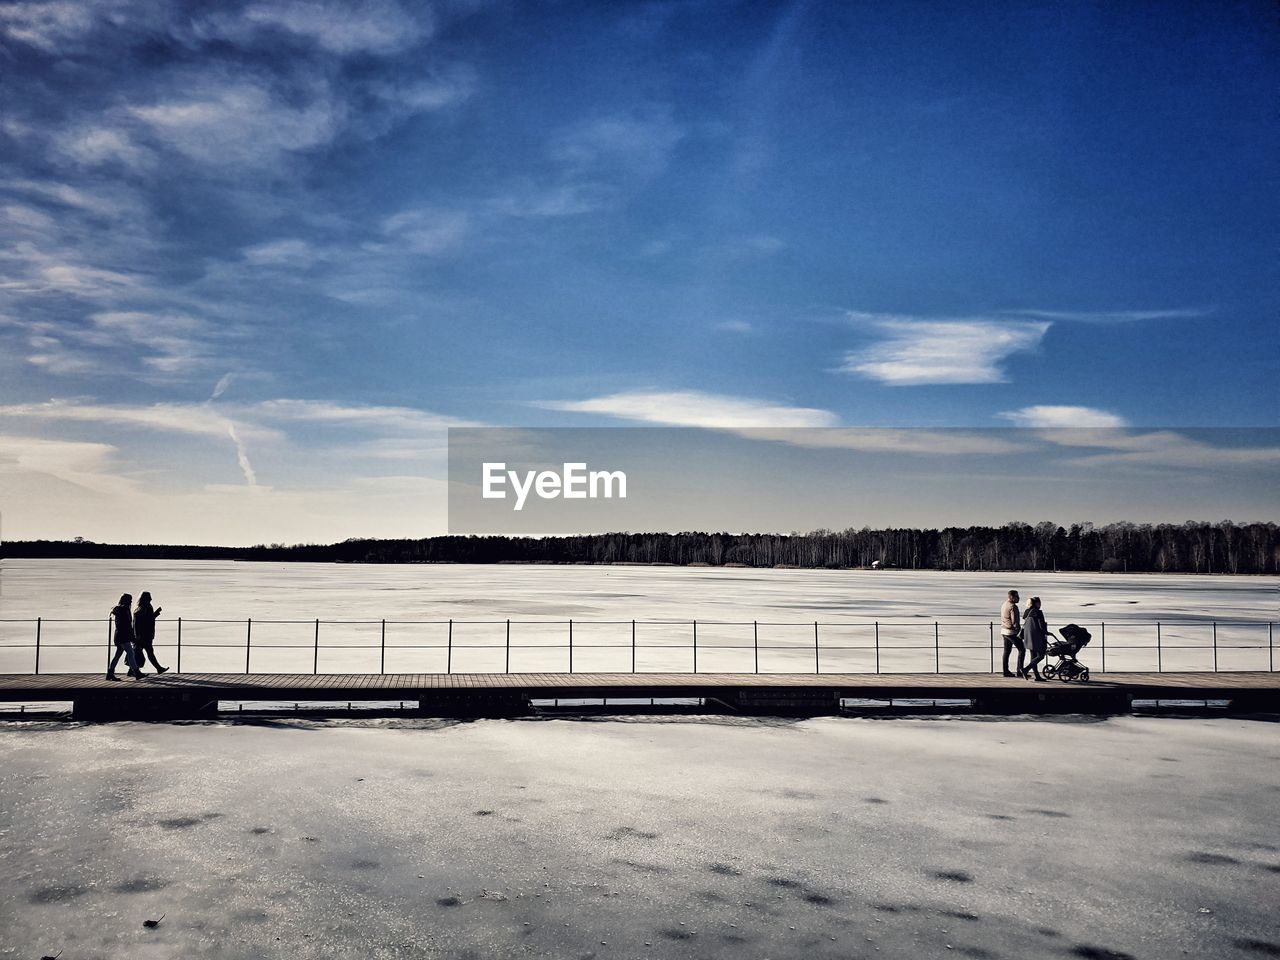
<point>1271,648</point>
<point>937,654</point>
<point>507,668</point>
<point>382,665</point>
<point>1215,646</point>
<point>179,668</point>
<point>877,646</point>
<point>1104,646</point>
<point>38,645</point>
<point>248,640</point>
<point>695,646</point>
<point>991,633</point>
<point>817,664</point>
<point>448,662</point>
<point>755,641</point>
<point>108,644</point>
<point>633,646</point>
<point>571,646</point>
<point>1159,655</point>
<point>315,656</point>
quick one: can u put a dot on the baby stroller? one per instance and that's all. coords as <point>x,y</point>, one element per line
<point>1071,640</point>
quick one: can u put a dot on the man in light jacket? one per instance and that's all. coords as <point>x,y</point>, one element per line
<point>1011,633</point>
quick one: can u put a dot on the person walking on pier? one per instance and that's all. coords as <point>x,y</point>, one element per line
<point>1038,633</point>
<point>1011,633</point>
<point>144,631</point>
<point>123,638</point>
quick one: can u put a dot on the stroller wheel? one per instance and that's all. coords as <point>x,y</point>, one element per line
<point>1084,675</point>
<point>1048,671</point>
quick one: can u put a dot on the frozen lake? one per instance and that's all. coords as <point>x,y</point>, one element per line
<point>690,838</point>
<point>417,601</point>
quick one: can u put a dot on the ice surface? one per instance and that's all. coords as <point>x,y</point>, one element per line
<point>705,838</point>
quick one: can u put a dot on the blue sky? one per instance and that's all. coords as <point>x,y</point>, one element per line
<point>256,257</point>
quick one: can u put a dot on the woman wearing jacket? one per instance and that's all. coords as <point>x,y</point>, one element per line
<point>123,638</point>
<point>144,631</point>
<point>1037,633</point>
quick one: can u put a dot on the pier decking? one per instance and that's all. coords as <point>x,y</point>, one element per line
<point>481,694</point>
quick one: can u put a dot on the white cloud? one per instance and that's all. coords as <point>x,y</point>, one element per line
<point>638,145</point>
<point>195,419</point>
<point>1110,316</point>
<point>735,326</point>
<point>366,26</point>
<point>29,270</point>
<point>25,217</point>
<point>892,440</point>
<point>963,350</point>
<point>445,88</point>
<point>288,252</point>
<point>92,145</point>
<point>85,464</point>
<point>46,25</point>
<point>1159,448</point>
<point>566,200</point>
<point>693,408</point>
<point>67,195</point>
<point>1052,416</point>
<point>238,123</point>
<point>426,231</point>
<point>406,420</point>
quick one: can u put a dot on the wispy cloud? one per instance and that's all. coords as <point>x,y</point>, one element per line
<point>86,464</point>
<point>1110,316</point>
<point>1051,416</point>
<point>93,145</point>
<point>1162,449</point>
<point>637,145</point>
<point>47,26</point>
<point>889,440</point>
<point>232,122</point>
<point>188,418</point>
<point>916,351</point>
<point>426,231</point>
<point>369,26</point>
<point>693,408</point>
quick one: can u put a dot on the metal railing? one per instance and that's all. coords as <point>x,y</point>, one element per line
<point>906,646</point>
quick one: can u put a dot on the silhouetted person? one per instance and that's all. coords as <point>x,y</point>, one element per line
<point>1011,633</point>
<point>144,631</point>
<point>123,638</point>
<point>1038,633</point>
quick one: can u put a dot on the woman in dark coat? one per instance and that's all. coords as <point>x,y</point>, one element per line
<point>1037,633</point>
<point>123,638</point>
<point>144,631</point>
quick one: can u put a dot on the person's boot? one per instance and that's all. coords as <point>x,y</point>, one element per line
<point>160,669</point>
<point>111,675</point>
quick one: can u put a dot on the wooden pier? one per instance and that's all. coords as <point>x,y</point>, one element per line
<point>506,694</point>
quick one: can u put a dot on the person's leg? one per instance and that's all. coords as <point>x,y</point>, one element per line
<point>1022,655</point>
<point>1033,666</point>
<point>1008,648</point>
<point>131,653</point>
<point>150,651</point>
<point>111,670</point>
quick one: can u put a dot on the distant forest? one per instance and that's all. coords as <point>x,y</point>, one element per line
<point>1162,548</point>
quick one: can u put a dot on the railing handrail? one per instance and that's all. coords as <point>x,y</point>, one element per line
<point>710,641</point>
<point>957,620</point>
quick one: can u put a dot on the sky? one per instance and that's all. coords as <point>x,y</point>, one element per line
<point>256,258</point>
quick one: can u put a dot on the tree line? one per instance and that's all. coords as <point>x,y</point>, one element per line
<point>1193,547</point>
